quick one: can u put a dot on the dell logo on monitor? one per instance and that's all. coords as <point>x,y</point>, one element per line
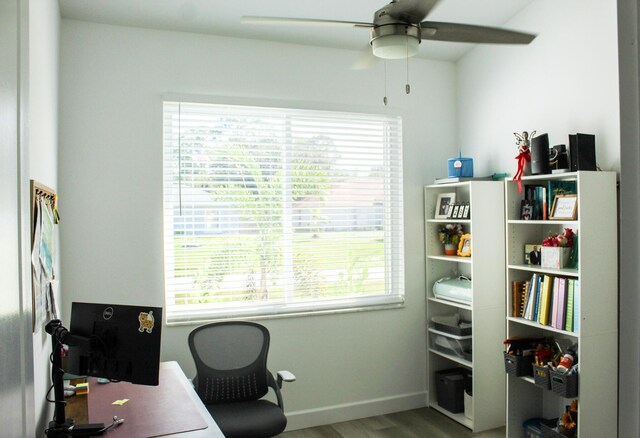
<point>107,313</point>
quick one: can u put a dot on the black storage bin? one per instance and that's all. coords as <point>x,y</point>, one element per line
<point>450,387</point>
<point>565,385</point>
<point>541,376</point>
<point>518,365</point>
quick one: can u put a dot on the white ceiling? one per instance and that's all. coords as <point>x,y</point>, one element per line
<point>217,17</point>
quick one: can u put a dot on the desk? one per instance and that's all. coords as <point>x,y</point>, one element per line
<point>170,409</point>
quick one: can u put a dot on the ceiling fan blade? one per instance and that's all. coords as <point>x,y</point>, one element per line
<point>249,19</point>
<point>467,33</point>
<point>411,11</point>
<point>366,60</point>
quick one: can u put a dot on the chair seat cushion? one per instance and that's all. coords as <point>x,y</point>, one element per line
<point>252,419</point>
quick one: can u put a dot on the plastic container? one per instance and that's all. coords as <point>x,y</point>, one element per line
<point>453,330</point>
<point>458,346</point>
<point>450,387</point>
<point>460,166</point>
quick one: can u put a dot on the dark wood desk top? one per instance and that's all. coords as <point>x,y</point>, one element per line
<point>172,407</point>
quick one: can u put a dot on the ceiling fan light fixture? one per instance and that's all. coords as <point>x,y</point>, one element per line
<point>395,46</point>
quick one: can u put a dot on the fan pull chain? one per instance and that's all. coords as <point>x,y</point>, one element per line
<point>407,87</point>
<point>384,100</point>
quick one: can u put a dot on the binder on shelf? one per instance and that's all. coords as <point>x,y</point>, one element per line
<point>554,313</point>
<point>569,324</point>
<point>545,300</point>
<point>562,303</point>
<point>576,305</point>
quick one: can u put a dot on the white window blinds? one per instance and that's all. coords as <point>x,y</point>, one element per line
<point>280,211</point>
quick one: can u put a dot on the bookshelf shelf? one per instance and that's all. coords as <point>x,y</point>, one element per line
<point>566,272</point>
<point>454,259</point>
<point>450,303</point>
<point>486,269</point>
<point>596,314</point>
<point>541,326</point>
<point>452,358</point>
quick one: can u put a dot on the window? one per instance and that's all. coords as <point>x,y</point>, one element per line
<point>272,211</point>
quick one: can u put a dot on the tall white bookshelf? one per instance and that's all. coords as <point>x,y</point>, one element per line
<point>486,268</point>
<point>597,334</point>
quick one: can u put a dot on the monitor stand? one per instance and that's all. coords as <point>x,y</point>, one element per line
<point>60,426</point>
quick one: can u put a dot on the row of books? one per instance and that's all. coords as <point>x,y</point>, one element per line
<point>548,300</point>
<point>538,199</point>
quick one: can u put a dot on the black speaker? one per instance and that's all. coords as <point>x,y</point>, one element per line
<point>540,155</point>
<point>582,151</point>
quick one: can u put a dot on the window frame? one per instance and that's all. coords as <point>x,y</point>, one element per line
<point>196,313</point>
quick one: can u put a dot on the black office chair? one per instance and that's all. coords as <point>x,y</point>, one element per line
<point>232,377</point>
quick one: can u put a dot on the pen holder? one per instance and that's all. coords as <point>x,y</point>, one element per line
<point>565,385</point>
<point>518,366</point>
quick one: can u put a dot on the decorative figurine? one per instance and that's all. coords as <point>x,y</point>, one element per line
<point>523,141</point>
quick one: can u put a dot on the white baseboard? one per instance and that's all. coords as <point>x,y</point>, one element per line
<point>353,411</point>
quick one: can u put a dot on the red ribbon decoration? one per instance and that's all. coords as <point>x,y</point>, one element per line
<point>523,157</point>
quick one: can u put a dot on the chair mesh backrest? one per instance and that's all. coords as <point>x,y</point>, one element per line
<point>231,361</point>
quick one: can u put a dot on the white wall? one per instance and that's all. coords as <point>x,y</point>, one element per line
<point>44,39</point>
<point>111,84</point>
<point>565,81</point>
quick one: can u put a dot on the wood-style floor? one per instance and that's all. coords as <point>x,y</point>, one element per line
<point>418,423</point>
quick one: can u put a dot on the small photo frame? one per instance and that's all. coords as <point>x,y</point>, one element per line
<point>466,211</point>
<point>526,210</point>
<point>564,207</point>
<point>443,203</point>
<point>456,210</point>
<point>464,247</point>
<point>532,254</point>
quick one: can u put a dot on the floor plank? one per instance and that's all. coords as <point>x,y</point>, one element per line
<point>417,423</point>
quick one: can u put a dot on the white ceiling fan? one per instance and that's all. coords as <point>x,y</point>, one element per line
<point>398,28</point>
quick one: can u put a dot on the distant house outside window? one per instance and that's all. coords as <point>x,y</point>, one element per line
<point>275,211</point>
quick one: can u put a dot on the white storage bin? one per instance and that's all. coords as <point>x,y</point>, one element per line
<point>468,405</point>
<point>459,346</point>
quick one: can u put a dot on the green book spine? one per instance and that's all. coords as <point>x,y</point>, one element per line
<point>569,321</point>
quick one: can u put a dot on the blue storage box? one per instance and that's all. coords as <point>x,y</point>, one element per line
<point>460,167</point>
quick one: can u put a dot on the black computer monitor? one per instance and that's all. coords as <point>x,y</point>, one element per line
<point>124,342</point>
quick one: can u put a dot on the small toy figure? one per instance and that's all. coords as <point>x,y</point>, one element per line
<point>523,141</point>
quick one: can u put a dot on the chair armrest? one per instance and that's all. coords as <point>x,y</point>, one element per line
<point>285,376</point>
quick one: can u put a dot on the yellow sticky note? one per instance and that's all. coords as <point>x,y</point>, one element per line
<point>120,402</point>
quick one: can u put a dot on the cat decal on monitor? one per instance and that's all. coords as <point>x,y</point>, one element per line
<point>146,321</point>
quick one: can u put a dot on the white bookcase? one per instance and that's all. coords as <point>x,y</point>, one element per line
<point>486,269</point>
<point>597,335</point>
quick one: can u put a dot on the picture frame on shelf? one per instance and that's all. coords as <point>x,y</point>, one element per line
<point>467,211</point>
<point>565,207</point>
<point>456,209</point>
<point>443,203</point>
<point>532,254</point>
<point>526,210</point>
<point>464,247</point>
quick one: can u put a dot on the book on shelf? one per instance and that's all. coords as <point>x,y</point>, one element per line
<point>559,188</point>
<point>562,303</point>
<point>534,206</point>
<point>545,300</point>
<point>576,305</point>
<point>569,319</point>
<point>529,308</point>
<point>456,179</point>
<point>554,313</point>
<point>518,297</point>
